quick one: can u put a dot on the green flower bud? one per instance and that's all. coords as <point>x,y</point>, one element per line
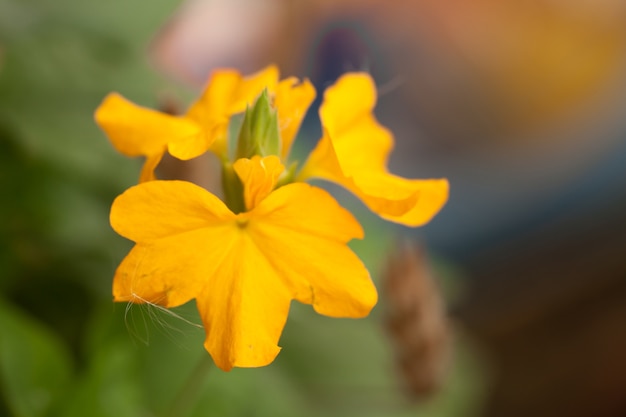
<point>259,134</point>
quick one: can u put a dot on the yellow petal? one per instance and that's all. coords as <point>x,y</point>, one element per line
<point>353,140</point>
<point>147,171</point>
<point>303,231</point>
<point>383,193</point>
<point>400,200</point>
<point>169,271</point>
<point>245,306</point>
<point>353,152</point>
<point>226,94</point>
<point>190,147</point>
<point>180,230</point>
<point>138,131</point>
<point>292,101</point>
<point>158,209</point>
<point>249,88</point>
<point>347,115</point>
<point>259,176</point>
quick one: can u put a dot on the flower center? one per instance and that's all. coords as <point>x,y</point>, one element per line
<point>242,222</point>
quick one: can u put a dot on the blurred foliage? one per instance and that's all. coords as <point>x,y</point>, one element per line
<point>65,348</point>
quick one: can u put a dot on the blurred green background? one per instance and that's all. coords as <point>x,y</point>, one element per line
<point>65,348</point>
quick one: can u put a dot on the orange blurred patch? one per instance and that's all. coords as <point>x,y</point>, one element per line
<point>481,69</point>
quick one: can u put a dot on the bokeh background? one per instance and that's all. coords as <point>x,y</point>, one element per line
<point>519,104</point>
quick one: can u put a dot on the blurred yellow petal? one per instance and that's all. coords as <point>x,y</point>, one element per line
<point>149,166</point>
<point>400,200</point>
<point>190,147</point>
<point>292,100</point>
<point>259,176</point>
<point>138,131</point>
<point>249,88</point>
<point>226,94</point>
<point>353,152</point>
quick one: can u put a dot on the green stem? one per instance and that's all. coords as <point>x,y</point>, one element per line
<point>188,394</point>
<point>233,189</point>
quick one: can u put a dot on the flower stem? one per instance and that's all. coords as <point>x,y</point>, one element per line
<point>233,189</point>
<point>187,395</point>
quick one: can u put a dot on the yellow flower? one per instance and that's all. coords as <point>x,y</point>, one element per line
<point>242,269</point>
<point>353,152</point>
<point>273,238</point>
<point>138,131</point>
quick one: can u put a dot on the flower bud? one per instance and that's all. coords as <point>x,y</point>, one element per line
<point>259,134</point>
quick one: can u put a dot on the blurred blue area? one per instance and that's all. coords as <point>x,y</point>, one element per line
<point>500,205</point>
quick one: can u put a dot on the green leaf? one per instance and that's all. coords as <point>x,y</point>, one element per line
<point>109,387</point>
<point>35,367</point>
